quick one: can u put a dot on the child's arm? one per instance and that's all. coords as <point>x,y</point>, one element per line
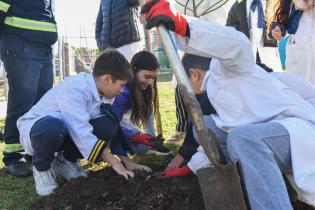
<point>232,48</point>
<point>72,103</point>
<point>116,164</point>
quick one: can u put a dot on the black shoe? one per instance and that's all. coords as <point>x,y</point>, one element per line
<point>20,169</point>
<point>28,159</point>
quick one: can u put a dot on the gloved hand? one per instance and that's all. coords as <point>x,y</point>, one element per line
<point>159,12</point>
<point>142,139</point>
<point>176,172</point>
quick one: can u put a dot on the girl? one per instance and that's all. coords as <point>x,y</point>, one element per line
<point>297,18</point>
<point>135,104</point>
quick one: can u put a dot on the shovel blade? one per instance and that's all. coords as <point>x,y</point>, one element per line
<point>221,188</point>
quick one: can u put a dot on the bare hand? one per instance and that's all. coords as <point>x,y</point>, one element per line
<point>276,33</point>
<point>176,162</point>
<point>121,170</point>
<point>116,164</point>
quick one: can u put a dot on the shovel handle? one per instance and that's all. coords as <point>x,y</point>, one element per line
<point>208,143</point>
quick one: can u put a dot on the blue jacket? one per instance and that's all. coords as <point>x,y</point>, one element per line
<point>31,20</point>
<point>121,105</point>
<point>115,23</point>
<point>294,20</point>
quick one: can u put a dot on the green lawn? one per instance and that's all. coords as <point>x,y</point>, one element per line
<point>18,193</point>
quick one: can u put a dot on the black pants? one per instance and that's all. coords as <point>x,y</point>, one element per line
<point>189,146</point>
<point>49,135</point>
<point>181,112</point>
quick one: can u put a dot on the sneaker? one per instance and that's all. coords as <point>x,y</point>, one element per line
<point>67,169</point>
<point>44,181</point>
<point>159,150</point>
<point>19,169</point>
<point>177,136</point>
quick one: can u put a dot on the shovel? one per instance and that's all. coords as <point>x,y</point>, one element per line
<point>220,183</point>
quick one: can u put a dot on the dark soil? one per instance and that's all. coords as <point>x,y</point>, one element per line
<point>107,190</point>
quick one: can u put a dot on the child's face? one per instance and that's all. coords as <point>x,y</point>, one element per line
<point>108,88</point>
<point>146,78</point>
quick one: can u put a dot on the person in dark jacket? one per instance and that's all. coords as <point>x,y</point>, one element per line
<point>135,105</point>
<point>249,17</point>
<point>116,26</point>
<point>28,31</point>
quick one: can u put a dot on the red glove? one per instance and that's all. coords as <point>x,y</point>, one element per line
<point>183,171</point>
<point>142,139</point>
<point>159,12</point>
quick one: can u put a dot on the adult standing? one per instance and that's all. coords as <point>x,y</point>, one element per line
<point>28,31</point>
<point>117,26</point>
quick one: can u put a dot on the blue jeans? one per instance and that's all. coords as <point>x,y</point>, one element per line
<point>30,75</point>
<point>263,153</point>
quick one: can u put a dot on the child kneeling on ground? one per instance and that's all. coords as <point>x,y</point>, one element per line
<point>264,121</point>
<point>75,120</point>
<point>134,106</point>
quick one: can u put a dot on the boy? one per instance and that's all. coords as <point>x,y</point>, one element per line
<point>189,146</point>
<point>264,132</point>
<point>74,119</point>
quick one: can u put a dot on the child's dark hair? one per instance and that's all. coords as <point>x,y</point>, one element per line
<point>191,61</point>
<point>113,63</point>
<point>142,101</point>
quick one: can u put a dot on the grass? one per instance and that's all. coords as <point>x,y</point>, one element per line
<point>18,193</point>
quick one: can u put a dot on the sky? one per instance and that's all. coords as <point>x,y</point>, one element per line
<point>75,17</point>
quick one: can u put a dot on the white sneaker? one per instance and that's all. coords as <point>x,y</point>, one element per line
<point>66,168</point>
<point>44,181</point>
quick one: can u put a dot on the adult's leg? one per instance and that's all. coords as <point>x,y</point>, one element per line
<point>46,77</point>
<point>262,150</point>
<point>23,74</point>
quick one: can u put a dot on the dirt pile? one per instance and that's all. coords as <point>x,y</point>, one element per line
<point>106,190</point>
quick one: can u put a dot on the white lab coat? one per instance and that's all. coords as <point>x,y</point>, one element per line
<point>300,50</point>
<point>243,93</point>
<point>75,101</point>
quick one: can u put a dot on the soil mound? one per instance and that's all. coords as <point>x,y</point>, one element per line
<point>106,190</point>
